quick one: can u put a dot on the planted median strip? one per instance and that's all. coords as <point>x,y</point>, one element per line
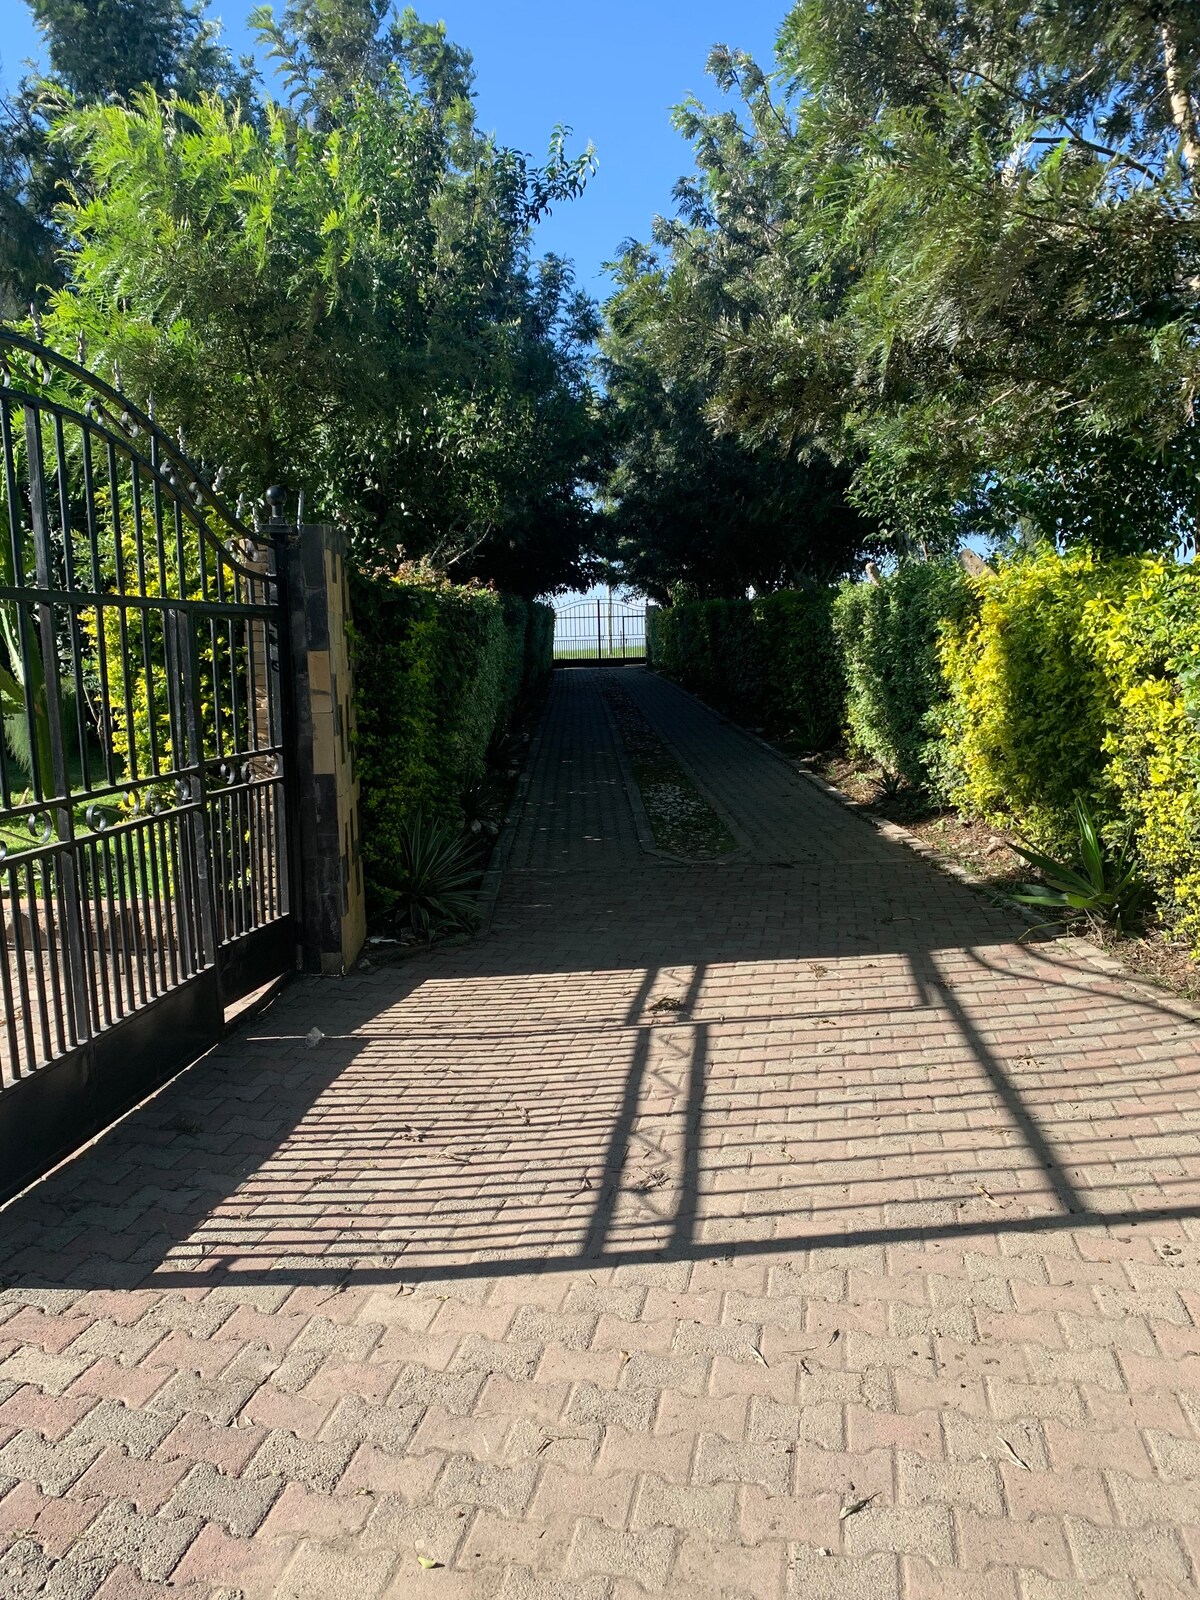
<point>681,819</point>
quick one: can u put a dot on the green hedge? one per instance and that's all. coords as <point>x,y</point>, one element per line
<point>438,672</point>
<point>772,660</point>
<point>1008,693</point>
<point>1074,675</point>
<point>888,636</point>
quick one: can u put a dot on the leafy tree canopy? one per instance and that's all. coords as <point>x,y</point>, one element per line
<point>976,270</point>
<point>105,49</point>
<point>695,507</point>
<point>339,294</point>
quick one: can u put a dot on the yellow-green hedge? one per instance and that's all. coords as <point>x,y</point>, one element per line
<point>438,671</point>
<point>1076,675</point>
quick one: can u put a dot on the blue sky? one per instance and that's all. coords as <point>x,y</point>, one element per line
<point>610,71</point>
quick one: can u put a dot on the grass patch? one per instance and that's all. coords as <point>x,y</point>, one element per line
<point>681,819</point>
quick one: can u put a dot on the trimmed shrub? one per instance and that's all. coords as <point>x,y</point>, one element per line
<point>888,639</point>
<point>1150,651</point>
<point>1078,676</point>
<point>803,684</point>
<point>771,660</point>
<point>438,671</point>
<point>1029,706</point>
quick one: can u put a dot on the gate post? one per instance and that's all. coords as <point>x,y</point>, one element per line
<point>326,852</point>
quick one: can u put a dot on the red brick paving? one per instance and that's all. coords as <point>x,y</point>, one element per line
<point>872,1270</point>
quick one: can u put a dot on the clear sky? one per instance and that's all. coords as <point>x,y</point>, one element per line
<point>610,71</point>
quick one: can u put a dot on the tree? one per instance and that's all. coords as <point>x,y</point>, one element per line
<point>990,292</point>
<point>696,511</point>
<point>699,502</point>
<point>340,296</point>
<point>99,51</point>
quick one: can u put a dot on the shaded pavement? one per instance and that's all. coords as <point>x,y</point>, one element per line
<point>781,1226</point>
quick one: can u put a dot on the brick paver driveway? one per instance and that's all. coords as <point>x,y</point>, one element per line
<point>868,1265</point>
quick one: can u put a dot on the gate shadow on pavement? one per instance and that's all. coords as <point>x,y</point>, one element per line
<point>660,1064</point>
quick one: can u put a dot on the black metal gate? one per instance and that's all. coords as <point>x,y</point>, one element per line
<point>590,631</point>
<point>144,883</point>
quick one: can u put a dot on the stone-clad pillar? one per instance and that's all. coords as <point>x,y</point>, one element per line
<point>327,855</point>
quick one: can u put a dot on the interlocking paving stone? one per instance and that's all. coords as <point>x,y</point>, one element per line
<point>867,1267</point>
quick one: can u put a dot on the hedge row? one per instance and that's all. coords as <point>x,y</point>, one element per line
<point>439,669</point>
<point>1006,694</point>
<point>773,660</point>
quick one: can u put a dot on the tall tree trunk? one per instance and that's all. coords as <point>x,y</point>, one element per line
<point>1183,113</point>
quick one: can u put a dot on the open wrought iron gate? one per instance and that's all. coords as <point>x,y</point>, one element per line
<point>144,881</point>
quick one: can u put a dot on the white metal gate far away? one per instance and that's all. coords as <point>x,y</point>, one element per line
<point>587,632</point>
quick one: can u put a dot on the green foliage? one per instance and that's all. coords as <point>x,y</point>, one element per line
<point>1106,886</point>
<point>688,507</point>
<point>888,636</point>
<point>431,879</point>
<point>1149,648</point>
<point>771,660</point>
<point>1076,677</point>
<point>952,250</point>
<point>438,671</point>
<point>341,295</point>
<point>101,49</point>
<point>1030,706</point>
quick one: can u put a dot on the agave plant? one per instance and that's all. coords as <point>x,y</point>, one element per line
<point>433,878</point>
<point>889,786</point>
<point>1107,887</point>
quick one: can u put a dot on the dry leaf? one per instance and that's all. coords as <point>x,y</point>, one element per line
<point>1015,1456</point>
<point>855,1507</point>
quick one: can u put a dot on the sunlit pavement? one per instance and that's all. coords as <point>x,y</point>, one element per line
<point>868,1265</point>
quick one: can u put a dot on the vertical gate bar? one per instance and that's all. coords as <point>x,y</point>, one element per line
<point>14,525</point>
<point>52,895</point>
<point>10,1005</point>
<point>22,968</point>
<point>125,923</point>
<point>27,644</point>
<point>599,640</point>
<point>103,958</point>
<point>139,551</point>
<point>122,607</point>
<point>93,535</point>
<point>91,927</point>
<point>72,586</point>
<point>188,712</point>
<point>116,932</point>
<point>77,977</point>
<point>162,902</point>
<point>151,940</point>
<point>39,966</point>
